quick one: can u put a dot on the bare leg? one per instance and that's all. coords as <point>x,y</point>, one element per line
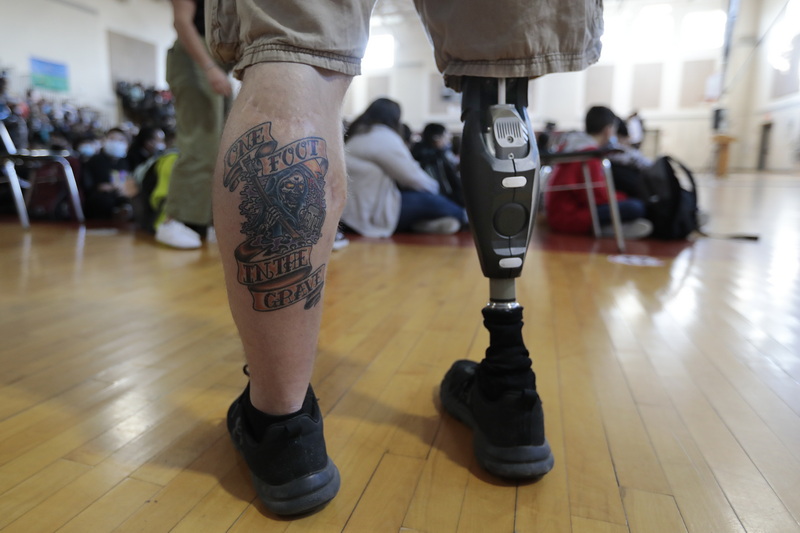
<point>278,194</point>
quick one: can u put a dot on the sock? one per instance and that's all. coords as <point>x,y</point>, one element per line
<point>258,421</point>
<point>507,365</point>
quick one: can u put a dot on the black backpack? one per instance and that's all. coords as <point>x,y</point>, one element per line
<point>671,199</point>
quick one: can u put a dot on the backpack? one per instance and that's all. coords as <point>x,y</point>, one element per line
<point>671,199</point>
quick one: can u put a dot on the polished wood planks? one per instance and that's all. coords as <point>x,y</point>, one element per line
<point>671,393</point>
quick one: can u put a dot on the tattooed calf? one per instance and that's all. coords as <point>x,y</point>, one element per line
<point>283,204</point>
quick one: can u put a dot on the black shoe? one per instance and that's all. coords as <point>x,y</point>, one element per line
<point>290,467</point>
<point>508,433</point>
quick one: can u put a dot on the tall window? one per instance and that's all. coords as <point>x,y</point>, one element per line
<point>703,30</point>
<point>380,52</point>
<point>784,33</point>
<point>652,34</point>
<point>784,52</point>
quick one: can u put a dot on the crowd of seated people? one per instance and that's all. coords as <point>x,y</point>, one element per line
<point>399,180</point>
<point>108,176</point>
<point>103,160</point>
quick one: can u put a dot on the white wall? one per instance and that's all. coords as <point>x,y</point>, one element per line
<point>75,33</point>
<point>558,98</point>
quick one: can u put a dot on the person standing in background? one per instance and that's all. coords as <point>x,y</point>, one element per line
<point>199,86</point>
<point>281,189</point>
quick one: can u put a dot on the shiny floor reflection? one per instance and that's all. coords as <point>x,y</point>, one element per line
<point>671,387</point>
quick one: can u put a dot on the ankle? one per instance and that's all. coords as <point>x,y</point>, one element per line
<point>275,401</point>
<point>259,421</point>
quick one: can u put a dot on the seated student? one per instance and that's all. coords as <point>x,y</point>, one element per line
<point>432,153</point>
<point>627,164</point>
<point>408,135</point>
<point>568,211</point>
<point>87,146</point>
<point>635,125</point>
<point>104,178</point>
<point>147,143</point>
<point>388,191</point>
<point>152,179</point>
<point>543,138</point>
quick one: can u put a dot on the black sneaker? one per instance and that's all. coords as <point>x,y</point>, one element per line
<point>508,433</point>
<point>290,467</point>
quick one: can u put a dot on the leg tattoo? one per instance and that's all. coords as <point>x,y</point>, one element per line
<point>283,204</point>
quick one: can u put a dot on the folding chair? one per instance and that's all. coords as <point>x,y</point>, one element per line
<point>11,158</point>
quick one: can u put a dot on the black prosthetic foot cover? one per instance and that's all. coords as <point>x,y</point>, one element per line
<point>508,432</point>
<point>497,399</point>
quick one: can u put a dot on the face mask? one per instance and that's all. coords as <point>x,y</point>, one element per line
<point>613,140</point>
<point>160,147</point>
<point>87,150</point>
<point>116,149</point>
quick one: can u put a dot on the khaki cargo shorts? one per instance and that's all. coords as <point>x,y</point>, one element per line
<point>487,38</point>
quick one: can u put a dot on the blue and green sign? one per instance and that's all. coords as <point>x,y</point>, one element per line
<point>49,75</point>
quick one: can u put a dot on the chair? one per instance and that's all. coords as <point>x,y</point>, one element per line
<point>11,158</point>
<point>548,159</point>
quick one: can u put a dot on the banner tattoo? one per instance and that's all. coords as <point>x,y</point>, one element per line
<point>283,204</point>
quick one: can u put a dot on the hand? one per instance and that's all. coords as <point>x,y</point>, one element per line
<point>219,81</point>
<point>272,216</point>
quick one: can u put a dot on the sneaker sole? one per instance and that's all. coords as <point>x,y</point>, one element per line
<point>516,462</point>
<point>300,496</point>
<point>168,244</point>
<point>304,495</point>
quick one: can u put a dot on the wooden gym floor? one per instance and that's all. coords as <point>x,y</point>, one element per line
<point>671,392</point>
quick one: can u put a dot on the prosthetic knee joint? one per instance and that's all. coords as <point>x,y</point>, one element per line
<point>499,171</point>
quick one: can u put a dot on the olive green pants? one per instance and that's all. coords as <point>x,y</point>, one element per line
<point>199,116</point>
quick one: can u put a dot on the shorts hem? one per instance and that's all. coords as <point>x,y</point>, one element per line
<point>276,53</point>
<point>517,68</point>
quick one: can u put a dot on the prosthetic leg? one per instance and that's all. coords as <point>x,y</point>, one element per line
<point>499,169</point>
<point>499,165</point>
